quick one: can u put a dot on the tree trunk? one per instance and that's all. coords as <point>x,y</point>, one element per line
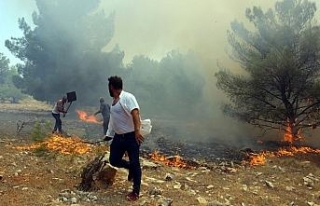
<point>97,174</point>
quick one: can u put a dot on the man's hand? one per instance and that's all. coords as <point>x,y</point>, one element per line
<point>139,137</point>
<point>136,121</point>
<point>107,138</point>
<point>64,114</point>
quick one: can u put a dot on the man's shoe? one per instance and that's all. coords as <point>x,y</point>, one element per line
<point>132,196</point>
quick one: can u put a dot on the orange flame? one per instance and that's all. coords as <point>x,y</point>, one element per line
<point>260,158</point>
<point>175,161</point>
<point>288,137</point>
<point>296,150</point>
<point>63,145</point>
<point>87,118</point>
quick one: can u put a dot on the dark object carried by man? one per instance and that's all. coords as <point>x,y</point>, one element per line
<point>71,97</point>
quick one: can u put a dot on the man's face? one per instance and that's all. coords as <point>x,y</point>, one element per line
<point>110,90</point>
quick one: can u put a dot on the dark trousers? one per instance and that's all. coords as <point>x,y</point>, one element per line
<point>127,143</point>
<point>58,123</point>
<point>105,126</point>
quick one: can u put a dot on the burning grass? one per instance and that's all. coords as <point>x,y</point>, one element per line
<point>84,116</point>
<point>261,158</point>
<point>75,145</point>
<point>257,159</point>
<point>63,145</point>
<point>173,161</point>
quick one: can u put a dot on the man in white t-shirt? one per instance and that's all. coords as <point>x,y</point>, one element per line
<point>124,126</point>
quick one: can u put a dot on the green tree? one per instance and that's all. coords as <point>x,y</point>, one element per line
<point>280,57</point>
<point>63,51</point>
<point>170,87</point>
<point>7,88</point>
<point>4,68</point>
<point>182,83</point>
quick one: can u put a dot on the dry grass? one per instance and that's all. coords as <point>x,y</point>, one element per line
<point>42,177</point>
<point>28,103</point>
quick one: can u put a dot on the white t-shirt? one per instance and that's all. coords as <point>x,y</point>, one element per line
<point>120,114</point>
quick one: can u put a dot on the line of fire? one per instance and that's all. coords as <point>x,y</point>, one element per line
<point>283,148</point>
<point>78,145</point>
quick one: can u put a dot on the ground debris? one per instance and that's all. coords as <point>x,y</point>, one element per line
<point>90,172</point>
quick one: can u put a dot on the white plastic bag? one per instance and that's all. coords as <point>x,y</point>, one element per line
<point>146,126</point>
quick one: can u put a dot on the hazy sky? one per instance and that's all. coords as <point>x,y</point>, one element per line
<point>153,27</point>
<point>10,11</point>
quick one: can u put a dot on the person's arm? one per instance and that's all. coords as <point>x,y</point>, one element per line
<point>137,124</point>
<point>100,110</point>
<point>97,112</point>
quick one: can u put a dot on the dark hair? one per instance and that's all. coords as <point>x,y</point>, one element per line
<point>115,81</point>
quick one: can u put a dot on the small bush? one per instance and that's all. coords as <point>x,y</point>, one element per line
<point>39,131</point>
<point>10,92</point>
<point>41,151</point>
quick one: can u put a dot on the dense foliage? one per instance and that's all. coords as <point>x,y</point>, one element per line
<point>8,92</point>
<point>63,52</point>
